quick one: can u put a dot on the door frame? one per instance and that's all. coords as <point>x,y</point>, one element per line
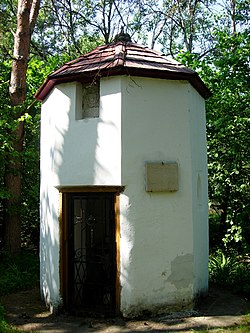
<point>64,246</point>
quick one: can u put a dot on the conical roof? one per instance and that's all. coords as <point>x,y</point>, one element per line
<point>121,58</point>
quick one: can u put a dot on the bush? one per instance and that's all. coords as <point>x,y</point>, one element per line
<point>18,272</point>
<point>242,277</point>
<point>230,270</point>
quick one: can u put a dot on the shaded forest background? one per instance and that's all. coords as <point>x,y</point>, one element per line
<point>212,37</point>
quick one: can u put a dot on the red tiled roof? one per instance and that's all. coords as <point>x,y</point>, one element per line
<point>121,58</point>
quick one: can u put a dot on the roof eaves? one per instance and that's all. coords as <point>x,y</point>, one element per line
<point>190,76</point>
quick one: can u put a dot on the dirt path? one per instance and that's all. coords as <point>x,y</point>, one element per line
<point>221,308</point>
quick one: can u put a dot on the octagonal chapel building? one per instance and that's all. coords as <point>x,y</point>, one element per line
<point>123,195</point>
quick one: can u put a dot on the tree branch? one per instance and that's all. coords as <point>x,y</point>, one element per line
<point>35,6</point>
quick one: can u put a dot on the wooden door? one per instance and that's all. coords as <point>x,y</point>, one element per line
<point>91,252</point>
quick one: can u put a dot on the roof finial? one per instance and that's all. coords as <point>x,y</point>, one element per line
<point>122,37</point>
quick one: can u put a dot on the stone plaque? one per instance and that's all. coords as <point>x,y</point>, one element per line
<point>162,177</point>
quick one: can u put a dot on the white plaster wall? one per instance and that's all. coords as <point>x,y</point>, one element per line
<point>158,258</point>
<point>74,152</point>
<point>200,191</point>
<point>86,151</point>
<point>51,121</point>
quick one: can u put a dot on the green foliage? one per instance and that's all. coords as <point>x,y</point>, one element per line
<point>7,26</point>
<point>228,112</point>
<point>222,268</point>
<point>5,125</point>
<point>18,272</point>
<point>226,72</point>
<point>231,271</point>
<point>30,110</point>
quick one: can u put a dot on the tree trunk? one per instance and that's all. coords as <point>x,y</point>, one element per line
<point>26,17</point>
<point>21,53</point>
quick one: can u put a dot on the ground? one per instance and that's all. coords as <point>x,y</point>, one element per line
<point>221,308</point>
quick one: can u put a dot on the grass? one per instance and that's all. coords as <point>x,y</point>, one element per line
<point>242,328</point>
